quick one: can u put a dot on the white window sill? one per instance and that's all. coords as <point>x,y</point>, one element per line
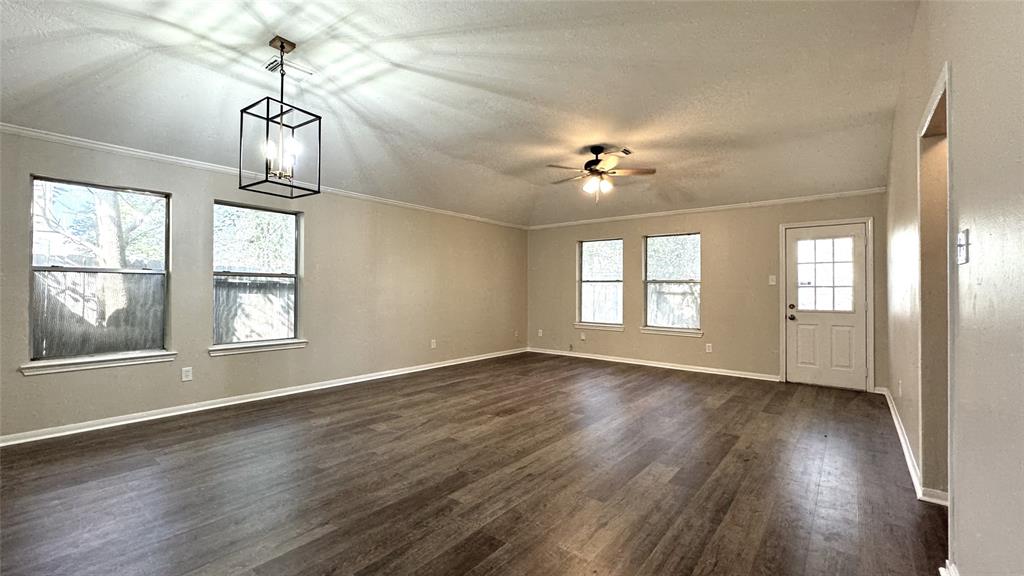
<point>608,327</point>
<point>688,332</point>
<point>250,347</point>
<point>37,367</point>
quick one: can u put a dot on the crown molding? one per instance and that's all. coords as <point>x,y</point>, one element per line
<point>741,205</point>
<point>55,137</point>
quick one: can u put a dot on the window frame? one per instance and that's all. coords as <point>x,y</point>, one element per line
<point>293,341</point>
<point>69,363</point>
<point>673,330</point>
<point>580,323</point>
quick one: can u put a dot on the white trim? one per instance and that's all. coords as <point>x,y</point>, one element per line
<point>869,289</point>
<point>38,367</point>
<point>669,365</point>
<point>687,332</point>
<point>200,165</point>
<point>250,347</point>
<point>934,496</point>
<point>924,494</point>
<point>79,427</point>
<point>756,204</point>
<point>596,326</point>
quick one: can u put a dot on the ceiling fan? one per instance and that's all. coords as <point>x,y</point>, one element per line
<point>598,171</point>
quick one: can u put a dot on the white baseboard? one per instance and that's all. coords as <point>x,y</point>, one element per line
<point>669,365</point>
<point>33,435</point>
<point>924,494</point>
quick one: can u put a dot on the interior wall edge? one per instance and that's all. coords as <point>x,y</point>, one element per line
<point>924,494</point>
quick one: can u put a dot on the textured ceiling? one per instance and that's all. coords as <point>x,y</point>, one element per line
<point>459,106</point>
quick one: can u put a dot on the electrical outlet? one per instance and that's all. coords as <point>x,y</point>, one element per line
<point>515,333</point>
<point>707,348</point>
<point>186,374</point>
<point>899,388</point>
<point>583,336</point>
<point>433,343</point>
<point>772,280</point>
<point>540,332</point>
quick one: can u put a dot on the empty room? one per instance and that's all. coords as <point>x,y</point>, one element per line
<point>317,287</point>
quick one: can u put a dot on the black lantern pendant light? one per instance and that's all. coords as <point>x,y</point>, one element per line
<point>279,144</point>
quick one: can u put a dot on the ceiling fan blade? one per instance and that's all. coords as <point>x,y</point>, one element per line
<point>607,163</point>
<point>580,177</point>
<point>564,167</point>
<point>632,172</point>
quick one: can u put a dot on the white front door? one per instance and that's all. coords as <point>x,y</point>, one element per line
<point>825,311</point>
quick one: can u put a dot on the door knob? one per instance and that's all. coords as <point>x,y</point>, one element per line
<point>792,316</point>
<point>792,306</point>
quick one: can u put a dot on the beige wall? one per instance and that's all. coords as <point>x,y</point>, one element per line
<point>983,43</point>
<point>378,283</point>
<point>934,317</point>
<point>739,309</point>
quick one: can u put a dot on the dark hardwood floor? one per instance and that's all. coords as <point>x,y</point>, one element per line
<point>529,464</point>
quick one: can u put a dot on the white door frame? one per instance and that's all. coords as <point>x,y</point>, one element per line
<point>940,88</point>
<point>869,288</point>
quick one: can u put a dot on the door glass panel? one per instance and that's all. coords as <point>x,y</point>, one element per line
<point>823,299</point>
<point>825,274</point>
<point>823,250</point>
<point>805,274</point>
<point>805,298</point>
<point>805,250</point>
<point>844,274</point>
<point>843,249</point>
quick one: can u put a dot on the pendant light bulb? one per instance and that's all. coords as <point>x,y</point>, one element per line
<point>592,185</point>
<point>606,185</point>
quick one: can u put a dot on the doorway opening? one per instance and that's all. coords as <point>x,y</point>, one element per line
<point>934,244</point>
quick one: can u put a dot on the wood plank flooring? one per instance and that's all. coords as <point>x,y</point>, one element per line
<point>527,464</point>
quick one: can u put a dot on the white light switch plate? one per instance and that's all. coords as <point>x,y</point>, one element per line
<point>186,374</point>
<point>772,280</point>
<point>963,244</point>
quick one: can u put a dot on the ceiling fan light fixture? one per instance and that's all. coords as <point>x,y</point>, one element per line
<point>606,185</point>
<point>593,185</point>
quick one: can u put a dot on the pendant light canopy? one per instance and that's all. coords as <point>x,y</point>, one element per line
<point>279,144</point>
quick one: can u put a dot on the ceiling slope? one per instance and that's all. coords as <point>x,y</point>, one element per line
<point>459,106</point>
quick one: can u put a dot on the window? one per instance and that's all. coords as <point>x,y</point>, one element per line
<point>824,272</point>
<point>672,281</point>
<point>99,270</point>
<point>601,282</point>
<point>254,274</point>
